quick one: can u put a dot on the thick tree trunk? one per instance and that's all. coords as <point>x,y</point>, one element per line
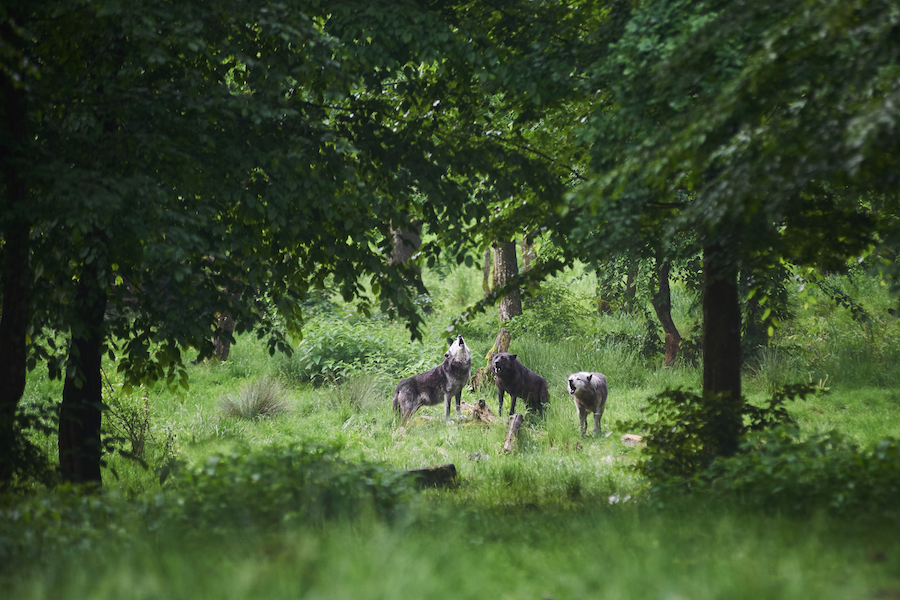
<point>505,268</point>
<point>16,276</point>
<point>721,340</point>
<point>80,412</point>
<point>662,304</point>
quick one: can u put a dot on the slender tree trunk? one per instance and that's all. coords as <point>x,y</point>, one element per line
<point>528,253</point>
<point>662,304</point>
<point>487,274</point>
<point>15,268</point>
<point>80,412</point>
<point>222,343</point>
<point>721,340</point>
<point>505,268</point>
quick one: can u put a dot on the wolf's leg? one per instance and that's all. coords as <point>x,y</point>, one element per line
<point>597,416</point>
<point>500,397</point>
<point>447,398</point>
<point>458,398</point>
<point>582,421</point>
<point>512,405</point>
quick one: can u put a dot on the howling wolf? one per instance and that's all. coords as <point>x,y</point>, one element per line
<point>520,382</point>
<point>589,392</point>
<point>440,383</point>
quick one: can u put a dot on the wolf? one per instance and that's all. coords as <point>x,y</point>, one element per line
<point>520,382</point>
<point>589,392</point>
<point>440,383</point>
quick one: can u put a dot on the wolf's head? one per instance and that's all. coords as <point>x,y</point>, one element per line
<point>503,361</point>
<point>458,352</point>
<point>580,381</point>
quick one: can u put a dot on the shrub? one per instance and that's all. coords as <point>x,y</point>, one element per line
<point>686,434</point>
<point>298,484</point>
<point>257,400</point>
<point>775,471</point>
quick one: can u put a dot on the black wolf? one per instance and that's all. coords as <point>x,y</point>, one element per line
<point>520,382</point>
<point>440,383</point>
<point>589,392</point>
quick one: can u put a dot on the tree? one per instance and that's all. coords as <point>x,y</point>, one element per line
<point>761,129</point>
<point>184,160</point>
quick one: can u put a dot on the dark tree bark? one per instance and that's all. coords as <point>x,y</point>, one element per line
<point>222,343</point>
<point>16,275</point>
<point>662,304</point>
<point>80,412</point>
<point>506,267</point>
<point>721,340</point>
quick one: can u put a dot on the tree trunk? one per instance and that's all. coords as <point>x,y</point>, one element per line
<point>487,271</point>
<point>80,412</point>
<point>222,343</point>
<point>484,375</point>
<point>505,268</point>
<point>662,304</point>
<point>721,340</point>
<point>16,276</point>
<point>407,239</point>
<point>528,253</point>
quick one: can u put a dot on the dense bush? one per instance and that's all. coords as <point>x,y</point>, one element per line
<point>267,489</point>
<point>276,486</point>
<point>332,349</point>
<point>777,471</point>
<point>684,432</point>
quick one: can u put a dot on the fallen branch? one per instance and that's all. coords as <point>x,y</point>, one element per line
<point>436,476</point>
<point>515,423</point>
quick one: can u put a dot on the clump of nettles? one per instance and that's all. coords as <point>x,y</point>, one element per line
<point>260,399</point>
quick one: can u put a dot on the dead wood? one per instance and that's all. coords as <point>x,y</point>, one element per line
<point>515,423</point>
<point>434,477</point>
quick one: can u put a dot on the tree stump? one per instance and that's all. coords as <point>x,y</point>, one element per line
<point>484,376</point>
<point>434,477</point>
<point>515,423</point>
<point>480,411</point>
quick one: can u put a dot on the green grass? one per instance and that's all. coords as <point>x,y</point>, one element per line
<point>561,517</point>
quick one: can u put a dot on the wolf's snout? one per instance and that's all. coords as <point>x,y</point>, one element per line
<point>571,385</point>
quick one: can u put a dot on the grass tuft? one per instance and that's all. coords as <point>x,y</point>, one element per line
<point>259,399</point>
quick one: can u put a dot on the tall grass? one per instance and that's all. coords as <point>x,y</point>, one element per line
<point>560,517</point>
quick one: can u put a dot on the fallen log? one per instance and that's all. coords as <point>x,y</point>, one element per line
<point>515,423</point>
<point>434,477</point>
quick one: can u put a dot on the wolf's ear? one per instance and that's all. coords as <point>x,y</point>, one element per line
<point>513,356</point>
<point>589,377</point>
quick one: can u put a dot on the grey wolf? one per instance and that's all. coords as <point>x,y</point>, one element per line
<point>440,383</point>
<point>518,381</point>
<point>589,392</point>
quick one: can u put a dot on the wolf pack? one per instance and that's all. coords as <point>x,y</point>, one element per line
<point>446,381</point>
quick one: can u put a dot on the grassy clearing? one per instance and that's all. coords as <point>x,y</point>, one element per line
<point>562,517</point>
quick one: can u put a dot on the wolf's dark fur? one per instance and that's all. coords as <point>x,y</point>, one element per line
<point>440,383</point>
<point>519,381</point>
